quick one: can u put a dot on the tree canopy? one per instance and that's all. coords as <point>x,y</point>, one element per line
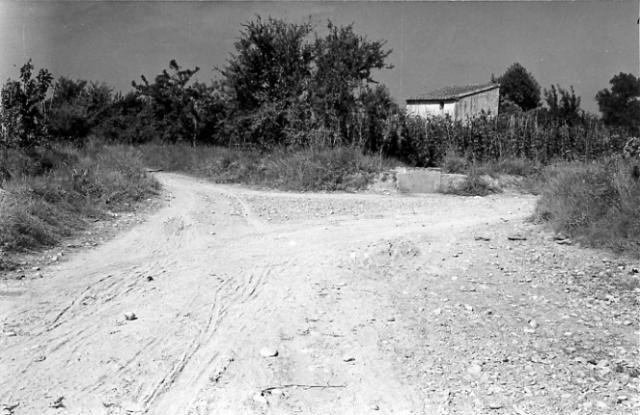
<point>518,86</point>
<point>620,105</point>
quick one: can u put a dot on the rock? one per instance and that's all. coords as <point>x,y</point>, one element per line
<point>130,316</point>
<point>468,307</point>
<point>348,358</point>
<point>534,324</point>
<point>374,407</point>
<point>516,237</point>
<point>391,319</point>
<point>268,352</point>
<point>437,311</point>
<point>495,405</point>
<point>621,398</point>
<point>627,322</point>
<point>481,238</point>
<point>57,403</point>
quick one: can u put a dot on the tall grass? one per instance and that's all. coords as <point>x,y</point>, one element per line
<point>49,193</point>
<point>303,169</point>
<point>597,203</point>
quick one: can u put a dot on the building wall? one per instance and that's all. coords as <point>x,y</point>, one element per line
<point>471,106</point>
<point>432,109</point>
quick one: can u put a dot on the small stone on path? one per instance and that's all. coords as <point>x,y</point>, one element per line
<point>130,316</point>
<point>268,352</point>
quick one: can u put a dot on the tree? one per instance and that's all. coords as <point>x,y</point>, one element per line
<point>518,86</point>
<point>563,104</point>
<point>22,116</point>
<point>76,108</point>
<point>344,65</point>
<point>620,106</point>
<point>174,104</point>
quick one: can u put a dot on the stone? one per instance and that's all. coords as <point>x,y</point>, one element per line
<point>516,237</point>
<point>374,407</point>
<point>495,405</point>
<point>268,352</point>
<point>348,358</point>
<point>130,316</point>
<point>534,324</point>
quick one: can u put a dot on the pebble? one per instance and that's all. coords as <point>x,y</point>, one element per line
<point>374,407</point>
<point>268,352</point>
<point>348,358</point>
<point>495,405</point>
<point>534,324</point>
<point>130,316</point>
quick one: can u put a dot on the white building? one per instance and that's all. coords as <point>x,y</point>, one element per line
<point>458,102</point>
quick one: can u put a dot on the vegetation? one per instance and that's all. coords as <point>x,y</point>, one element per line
<point>291,109</point>
<point>596,203</point>
<point>53,192</point>
<point>519,90</point>
<point>620,106</point>
<point>309,169</point>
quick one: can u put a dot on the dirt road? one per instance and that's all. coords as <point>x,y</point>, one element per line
<point>264,302</point>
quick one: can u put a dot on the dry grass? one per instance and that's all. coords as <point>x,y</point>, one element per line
<point>52,192</point>
<point>327,169</point>
<point>596,203</point>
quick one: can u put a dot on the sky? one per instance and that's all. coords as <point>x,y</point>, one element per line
<point>434,44</point>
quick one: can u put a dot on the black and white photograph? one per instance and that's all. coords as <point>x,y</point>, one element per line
<point>319,207</point>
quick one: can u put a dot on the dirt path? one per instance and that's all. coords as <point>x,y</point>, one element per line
<point>374,304</point>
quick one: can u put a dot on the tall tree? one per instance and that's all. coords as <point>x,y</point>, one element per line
<point>76,107</point>
<point>620,105</point>
<point>174,103</point>
<point>518,86</point>
<point>22,111</point>
<point>344,62</point>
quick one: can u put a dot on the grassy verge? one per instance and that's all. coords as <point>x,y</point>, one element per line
<point>327,169</point>
<point>49,194</point>
<point>596,203</point>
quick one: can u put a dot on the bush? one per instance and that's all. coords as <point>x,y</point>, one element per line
<point>305,169</point>
<point>596,202</point>
<point>52,192</point>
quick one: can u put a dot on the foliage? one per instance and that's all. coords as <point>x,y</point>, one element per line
<point>281,89</point>
<point>519,87</point>
<point>596,202</point>
<point>22,116</point>
<point>620,106</point>
<point>53,191</point>
<point>563,104</point>
<point>177,109</point>
<point>302,169</point>
<point>76,108</point>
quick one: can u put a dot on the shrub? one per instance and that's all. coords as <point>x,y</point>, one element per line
<point>304,169</point>
<point>596,202</point>
<point>53,191</point>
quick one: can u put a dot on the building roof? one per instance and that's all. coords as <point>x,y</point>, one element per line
<point>453,93</point>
